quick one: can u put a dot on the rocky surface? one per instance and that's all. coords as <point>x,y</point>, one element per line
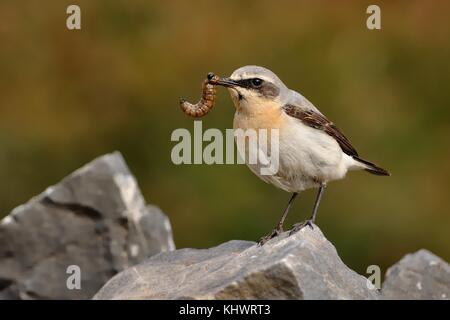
<point>303,266</point>
<point>421,275</point>
<point>96,218</point>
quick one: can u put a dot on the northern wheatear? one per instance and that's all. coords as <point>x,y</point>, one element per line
<point>312,150</point>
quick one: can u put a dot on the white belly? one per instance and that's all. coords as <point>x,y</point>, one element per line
<point>307,156</point>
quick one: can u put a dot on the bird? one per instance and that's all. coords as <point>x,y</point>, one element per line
<point>312,150</point>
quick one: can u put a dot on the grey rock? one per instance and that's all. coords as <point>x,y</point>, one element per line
<point>96,218</point>
<point>420,275</point>
<point>302,266</point>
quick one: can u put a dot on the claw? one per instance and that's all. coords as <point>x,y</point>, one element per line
<point>298,226</point>
<point>276,232</point>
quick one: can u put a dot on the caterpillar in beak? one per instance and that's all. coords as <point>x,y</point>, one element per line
<point>206,102</point>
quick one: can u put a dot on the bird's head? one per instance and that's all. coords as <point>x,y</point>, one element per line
<point>253,88</point>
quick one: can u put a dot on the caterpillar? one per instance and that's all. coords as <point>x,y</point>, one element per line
<point>207,99</point>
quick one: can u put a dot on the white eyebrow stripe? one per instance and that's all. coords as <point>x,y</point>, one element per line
<point>253,75</point>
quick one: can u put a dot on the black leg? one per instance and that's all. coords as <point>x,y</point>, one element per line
<point>279,228</point>
<point>312,219</point>
<point>316,204</point>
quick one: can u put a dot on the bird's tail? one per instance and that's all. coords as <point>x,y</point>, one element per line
<point>372,168</point>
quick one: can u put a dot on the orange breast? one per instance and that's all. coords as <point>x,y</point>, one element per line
<point>266,117</point>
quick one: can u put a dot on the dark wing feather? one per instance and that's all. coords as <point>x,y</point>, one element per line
<point>318,121</point>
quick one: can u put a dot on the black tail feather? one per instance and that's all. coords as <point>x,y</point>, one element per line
<point>372,168</point>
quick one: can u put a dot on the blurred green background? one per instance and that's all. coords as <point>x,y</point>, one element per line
<point>67,97</point>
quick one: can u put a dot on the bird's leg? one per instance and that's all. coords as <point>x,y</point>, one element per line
<point>279,228</point>
<point>310,221</point>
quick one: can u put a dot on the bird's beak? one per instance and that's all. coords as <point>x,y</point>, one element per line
<point>226,82</point>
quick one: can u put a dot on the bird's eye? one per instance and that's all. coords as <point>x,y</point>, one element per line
<point>256,82</point>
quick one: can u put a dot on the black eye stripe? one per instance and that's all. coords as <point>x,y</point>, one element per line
<point>247,83</point>
<point>266,88</point>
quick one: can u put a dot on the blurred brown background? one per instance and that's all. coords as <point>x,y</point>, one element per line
<point>69,96</point>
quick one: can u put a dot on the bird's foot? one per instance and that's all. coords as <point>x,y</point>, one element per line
<point>299,226</point>
<point>276,232</point>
